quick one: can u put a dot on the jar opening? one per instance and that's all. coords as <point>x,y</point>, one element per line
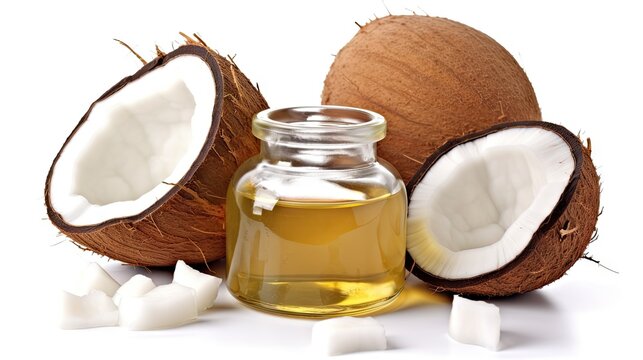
<point>319,125</point>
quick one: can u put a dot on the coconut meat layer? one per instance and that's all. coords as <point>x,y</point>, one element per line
<point>479,205</point>
<point>135,144</point>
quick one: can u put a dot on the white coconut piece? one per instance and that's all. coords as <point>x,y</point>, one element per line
<point>475,322</point>
<point>347,334</point>
<point>92,310</point>
<point>165,306</point>
<point>206,286</point>
<point>136,286</point>
<point>94,277</point>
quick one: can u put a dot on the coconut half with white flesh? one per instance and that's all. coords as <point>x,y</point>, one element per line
<point>143,176</point>
<point>502,211</point>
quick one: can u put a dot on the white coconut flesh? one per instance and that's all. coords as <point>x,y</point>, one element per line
<point>479,205</point>
<point>135,144</point>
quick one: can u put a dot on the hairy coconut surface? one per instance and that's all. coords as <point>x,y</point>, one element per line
<point>187,223</point>
<point>559,241</point>
<point>433,79</point>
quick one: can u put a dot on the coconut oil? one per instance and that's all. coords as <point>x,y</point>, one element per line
<point>317,258</point>
<point>316,224</point>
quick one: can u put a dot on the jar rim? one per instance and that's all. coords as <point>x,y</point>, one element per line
<point>319,124</point>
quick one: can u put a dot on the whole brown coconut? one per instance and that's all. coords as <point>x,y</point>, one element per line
<point>187,222</point>
<point>433,79</point>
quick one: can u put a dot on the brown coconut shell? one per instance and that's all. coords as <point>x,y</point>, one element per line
<point>188,222</point>
<point>433,79</point>
<point>557,244</point>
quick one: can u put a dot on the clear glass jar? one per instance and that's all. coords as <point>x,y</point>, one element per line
<point>316,224</point>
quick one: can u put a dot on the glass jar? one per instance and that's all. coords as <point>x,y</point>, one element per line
<point>316,224</point>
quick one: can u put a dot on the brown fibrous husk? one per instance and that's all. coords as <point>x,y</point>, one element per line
<point>188,223</point>
<point>433,79</point>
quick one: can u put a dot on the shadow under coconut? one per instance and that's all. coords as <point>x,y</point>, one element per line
<point>185,330</point>
<point>123,272</point>
<point>161,275</point>
<point>533,320</point>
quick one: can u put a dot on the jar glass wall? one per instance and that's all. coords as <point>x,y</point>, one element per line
<point>316,224</point>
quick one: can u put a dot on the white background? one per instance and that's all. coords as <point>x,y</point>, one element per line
<point>583,59</point>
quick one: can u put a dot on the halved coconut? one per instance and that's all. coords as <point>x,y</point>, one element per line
<point>502,211</point>
<point>143,176</point>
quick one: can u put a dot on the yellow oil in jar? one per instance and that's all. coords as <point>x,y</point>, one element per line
<point>317,258</point>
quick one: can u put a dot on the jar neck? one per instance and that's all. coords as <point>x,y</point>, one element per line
<point>329,137</point>
<point>339,157</point>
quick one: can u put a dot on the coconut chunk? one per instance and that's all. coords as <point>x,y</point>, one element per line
<point>206,286</point>
<point>347,334</point>
<point>165,306</point>
<point>92,310</point>
<point>94,277</point>
<point>136,286</point>
<point>475,323</point>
